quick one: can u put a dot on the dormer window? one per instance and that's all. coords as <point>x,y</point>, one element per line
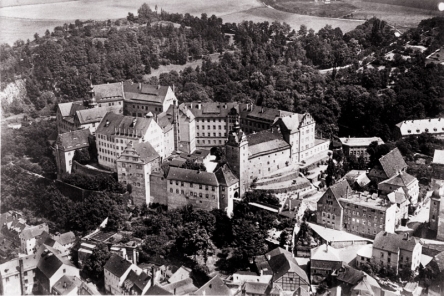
<point>417,130</point>
<point>426,130</point>
<point>409,131</point>
<point>435,129</point>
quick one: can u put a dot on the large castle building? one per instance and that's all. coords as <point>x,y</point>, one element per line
<point>137,127</point>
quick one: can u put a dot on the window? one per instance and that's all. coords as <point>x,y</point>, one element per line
<point>171,190</point>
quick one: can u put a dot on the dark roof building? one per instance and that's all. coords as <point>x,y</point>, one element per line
<point>73,140</point>
<point>389,165</point>
<point>117,265</point>
<point>192,176</point>
<point>215,286</point>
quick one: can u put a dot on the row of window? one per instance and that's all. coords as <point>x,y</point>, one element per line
<point>195,194</point>
<point>214,135</point>
<point>210,120</point>
<point>426,130</point>
<point>138,166</point>
<point>109,159</point>
<point>191,185</point>
<point>146,108</point>
<point>209,142</point>
<point>110,104</point>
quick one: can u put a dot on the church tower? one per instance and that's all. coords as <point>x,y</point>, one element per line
<point>92,103</point>
<point>236,151</point>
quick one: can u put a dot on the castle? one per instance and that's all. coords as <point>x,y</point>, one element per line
<point>137,128</point>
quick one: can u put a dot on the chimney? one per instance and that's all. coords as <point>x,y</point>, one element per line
<point>268,257</point>
<point>174,88</point>
<point>140,86</point>
<point>204,293</point>
<point>262,272</point>
<point>107,122</point>
<point>153,276</point>
<point>199,105</point>
<point>158,86</point>
<point>326,247</point>
<point>64,285</point>
<point>174,291</point>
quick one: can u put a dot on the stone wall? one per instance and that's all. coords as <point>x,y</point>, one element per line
<point>82,169</point>
<point>158,190</point>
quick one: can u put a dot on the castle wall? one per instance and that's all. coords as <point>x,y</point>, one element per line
<point>158,190</point>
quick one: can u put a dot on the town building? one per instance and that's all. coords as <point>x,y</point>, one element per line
<point>388,166</point>
<point>65,147</point>
<point>141,99</point>
<point>436,213</point>
<point>351,281</point>
<point>66,239</point>
<point>399,198</point>
<point>67,285</point>
<point>29,237</point>
<point>329,210</point>
<point>124,278</point>
<point>134,167</point>
<point>408,183</point>
<point>364,255</point>
<point>89,113</point>
<point>358,146</point>
<point>116,131</point>
<point>432,126</point>
<point>323,261</point>
<point>397,251</point>
<point>437,169</point>
<point>215,286</point>
<point>366,215</point>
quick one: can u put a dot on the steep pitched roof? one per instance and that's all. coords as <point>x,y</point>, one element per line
<point>292,122</point>
<point>116,124</point>
<point>400,179</point>
<point>74,140</point>
<point>145,92</point>
<point>192,176</point>
<point>340,189</point>
<point>392,162</point>
<point>66,238</point>
<point>108,91</point>
<point>180,274</point>
<point>283,263</point>
<point>225,176</point>
<point>65,108</point>
<point>277,251</point>
<point>182,287</point>
<point>210,109</point>
<point>215,286</point>
<point>264,113</point>
<point>393,242</point>
<point>324,253</point>
<point>350,275</point>
<point>49,264</point>
<point>265,142</point>
<point>156,290</point>
<point>144,150</point>
<point>91,115</point>
<point>117,265</point>
<point>255,288</point>
<point>33,231</point>
<point>438,157</point>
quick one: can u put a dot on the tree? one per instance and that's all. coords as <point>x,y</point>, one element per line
<point>82,156</point>
<point>145,13</point>
<point>95,263</point>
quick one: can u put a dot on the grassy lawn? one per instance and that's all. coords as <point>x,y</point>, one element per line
<point>334,9</point>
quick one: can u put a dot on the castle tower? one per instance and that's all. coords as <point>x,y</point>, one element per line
<point>236,151</point>
<point>92,103</point>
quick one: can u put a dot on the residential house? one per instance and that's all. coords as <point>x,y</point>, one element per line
<point>255,289</point>
<point>67,285</point>
<point>432,126</point>
<point>388,166</point>
<point>215,286</point>
<point>351,281</point>
<point>66,146</point>
<point>396,251</point>
<point>358,146</point>
<point>157,290</point>
<point>407,182</point>
<point>29,237</point>
<point>180,274</point>
<point>116,131</point>
<point>366,215</point>
<point>357,179</point>
<point>66,239</point>
<point>124,277</point>
<point>323,261</point>
<point>399,198</point>
<point>134,167</point>
<point>329,210</point>
<point>364,255</point>
<point>437,169</point>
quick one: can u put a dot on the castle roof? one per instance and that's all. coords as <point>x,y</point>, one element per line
<point>262,113</point>
<point>145,92</point>
<point>144,150</point>
<point>265,142</point>
<point>419,126</point>
<point>211,109</point>
<point>292,122</point>
<point>73,140</point>
<point>340,189</point>
<point>91,115</point>
<point>109,91</point>
<point>192,176</point>
<point>225,176</point>
<point>115,124</point>
<point>392,162</point>
<point>360,142</point>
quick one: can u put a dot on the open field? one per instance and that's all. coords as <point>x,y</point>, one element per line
<point>333,9</point>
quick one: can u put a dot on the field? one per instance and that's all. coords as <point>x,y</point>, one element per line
<point>335,9</point>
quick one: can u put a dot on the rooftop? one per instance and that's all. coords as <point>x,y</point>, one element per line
<point>393,242</point>
<point>145,92</point>
<point>116,124</point>
<point>400,179</point>
<point>265,142</point>
<point>366,201</point>
<point>360,142</point>
<point>333,235</point>
<point>365,251</point>
<point>192,176</point>
<point>225,176</point>
<point>144,150</point>
<point>104,92</point>
<point>91,115</point>
<point>438,157</point>
<point>33,231</point>
<point>73,140</point>
<point>215,286</point>
<point>392,162</point>
<point>325,253</point>
<point>117,265</point>
<point>419,126</point>
<point>66,284</point>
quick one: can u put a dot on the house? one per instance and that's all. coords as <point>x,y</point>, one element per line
<point>329,211</point>
<point>67,285</point>
<point>287,275</point>
<point>180,274</point>
<point>396,251</point>
<point>124,277</point>
<point>157,290</point>
<point>17,276</point>
<point>323,261</point>
<point>432,126</point>
<point>407,182</point>
<point>435,275</point>
<point>66,239</point>
<point>399,198</point>
<point>437,169</point>
<point>214,286</point>
<point>357,179</point>
<point>66,146</point>
<point>388,166</point>
<point>366,215</point>
<point>182,287</point>
<point>134,166</point>
<point>116,131</point>
<point>29,237</point>
<point>355,282</point>
<point>364,255</point>
<point>255,289</point>
<point>358,146</point>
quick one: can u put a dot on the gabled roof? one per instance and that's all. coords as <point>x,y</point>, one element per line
<point>74,140</point>
<point>225,176</point>
<point>65,108</point>
<point>349,275</point>
<point>180,274</point>
<point>292,122</point>
<point>192,176</point>
<point>438,157</point>
<point>215,286</point>
<point>277,251</point>
<point>392,242</point>
<point>392,162</point>
<point>33,231</point>
<point>210,109</point>
<point>157,290</point>
<point>263,113</point>
<point>340,189</point>
<point>324,253</point>
<point>91,115</point>
<point>360,142</point>
<point>66,284</point>
<point>108,91</point>
<point>265,142</point>
<point>66,238</point>
<point>115,124</point>
<point>419,126</point>
<point>49,264</point>
<point>283,263</point>
<point>255,288</point>
<point>145,92</point>
<point>397,197</point>
<point>117,265</point>
<point>182,287</point>
<point>367,286</point>
<point>400,179</point>
<point>144,150</point>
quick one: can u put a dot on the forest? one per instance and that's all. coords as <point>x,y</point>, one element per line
<point>270,64</point>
